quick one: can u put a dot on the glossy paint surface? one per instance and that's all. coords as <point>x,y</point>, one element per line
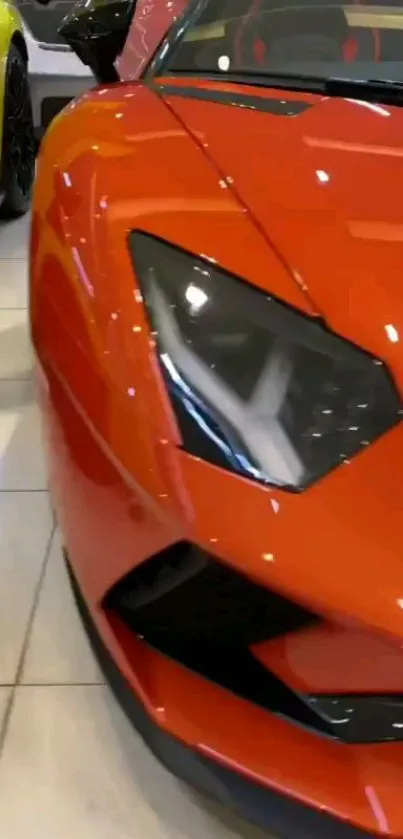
<point>123,158</point>
<point>331,659</point>
<point>333,189</point>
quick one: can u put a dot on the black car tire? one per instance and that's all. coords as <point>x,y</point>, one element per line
<point>18,147</point>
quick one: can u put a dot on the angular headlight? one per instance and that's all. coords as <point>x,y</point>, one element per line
<point>257,387</point>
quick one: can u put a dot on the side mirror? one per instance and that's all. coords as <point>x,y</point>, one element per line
<point>96,30</point>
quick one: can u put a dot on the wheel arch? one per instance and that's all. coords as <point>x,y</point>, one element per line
<point>10,33</point>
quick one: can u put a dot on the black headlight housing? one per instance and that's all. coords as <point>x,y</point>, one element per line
<point>258,388</point>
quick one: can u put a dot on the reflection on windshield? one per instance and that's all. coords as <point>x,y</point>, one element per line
<point>357,41</point>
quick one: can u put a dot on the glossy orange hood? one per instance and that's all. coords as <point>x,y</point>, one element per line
<point>325,186</point>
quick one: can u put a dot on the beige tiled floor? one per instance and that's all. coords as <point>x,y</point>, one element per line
<point>70,765</point>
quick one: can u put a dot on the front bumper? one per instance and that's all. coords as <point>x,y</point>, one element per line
<point>280,773</point>
<point>270,810</point>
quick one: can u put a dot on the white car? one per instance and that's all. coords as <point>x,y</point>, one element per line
<point>56,74</point>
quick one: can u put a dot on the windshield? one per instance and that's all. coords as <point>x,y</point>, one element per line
<point>356,41</point>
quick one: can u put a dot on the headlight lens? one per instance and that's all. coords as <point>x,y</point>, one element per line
<point>257,387</point>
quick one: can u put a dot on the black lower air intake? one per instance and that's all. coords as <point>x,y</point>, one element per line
<point>183,591</point>
<point>206,616</point>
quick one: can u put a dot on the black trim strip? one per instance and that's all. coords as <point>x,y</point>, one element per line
<point>362,718</point>
<point>278,107</point>
<point>173,37</point>
<point>276,813</point>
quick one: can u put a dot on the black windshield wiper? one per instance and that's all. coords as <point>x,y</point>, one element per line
<point>384,91</point>
<point>283,81</point>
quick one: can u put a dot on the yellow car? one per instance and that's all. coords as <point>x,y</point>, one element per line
<point>17,161</point>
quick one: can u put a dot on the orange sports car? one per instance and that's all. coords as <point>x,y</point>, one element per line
<point>217,314</point>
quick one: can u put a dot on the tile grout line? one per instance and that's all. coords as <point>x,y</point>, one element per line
<point>60,685</point>
<point>45,489</point>
<point>35,602</point>
<point>10,703</point>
